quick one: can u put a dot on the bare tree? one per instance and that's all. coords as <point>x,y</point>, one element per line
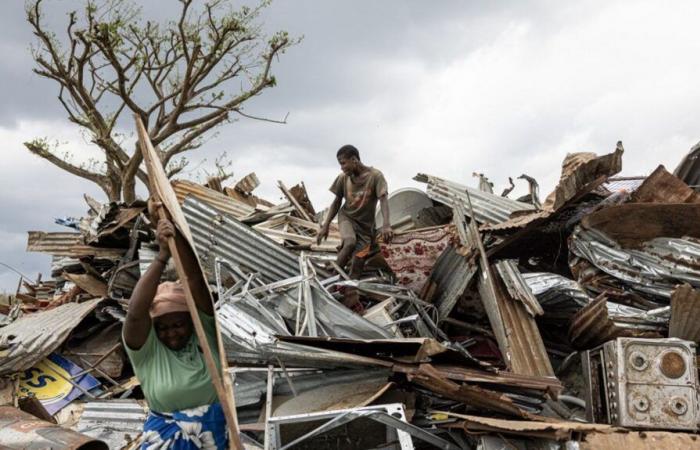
<point>183,79</point>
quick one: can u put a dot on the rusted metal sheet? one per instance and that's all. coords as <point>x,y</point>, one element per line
<point>509,379</point>
<point>632,224</point>
<point>593,325</point>
<point>31,338</point>
<point>67,244</point>
<point>685,314</point>
<point>560,430</point>
<point>654,269</point>
<point>663,187</point>
<point>216,199</point>
<point>581,173</point>
<point>517,287</point>
<point>514,327</point>
<point>22,431</point>
<point>477,397</point>
<point>488,208</point>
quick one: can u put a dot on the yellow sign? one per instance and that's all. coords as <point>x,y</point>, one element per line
<point>45,383</point>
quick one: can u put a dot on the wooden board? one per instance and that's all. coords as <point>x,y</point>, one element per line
<point>191,276</point>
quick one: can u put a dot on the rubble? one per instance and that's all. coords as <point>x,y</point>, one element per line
<point>484,321</point>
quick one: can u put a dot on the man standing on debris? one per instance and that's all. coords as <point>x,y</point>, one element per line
<point>168,361</point>
<point>361,187</point>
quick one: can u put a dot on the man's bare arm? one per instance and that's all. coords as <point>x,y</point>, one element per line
<point>386,231</point>
<point>332,211</point>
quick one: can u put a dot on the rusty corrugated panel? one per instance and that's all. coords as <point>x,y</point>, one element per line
<point>211,197</point>
<point>67,244</point>
<point>517,287</point>
<point>655,269</point>
<point>593,325</point>
<point>663,187</point>
<point>515,329</point>
<point>20,430</point>
<point>581,173</point>
<point>685,314</point>
<point>33,337</point>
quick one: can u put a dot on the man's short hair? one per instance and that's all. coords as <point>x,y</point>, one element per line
<point>347,152</point>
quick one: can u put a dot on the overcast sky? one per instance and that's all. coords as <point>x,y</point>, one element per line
<point>445,88</point>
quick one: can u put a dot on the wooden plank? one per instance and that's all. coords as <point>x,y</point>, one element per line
<point>190,274</point>
<point>294,202</point>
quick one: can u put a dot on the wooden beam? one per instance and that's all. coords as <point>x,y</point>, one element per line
<point>302,212</point>
<point>190,274</point>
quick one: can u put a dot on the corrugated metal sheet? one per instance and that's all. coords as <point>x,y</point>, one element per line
<point>655,269</point>
<point>559,296</point>
<point>228,205</point>
<point>488,208</point>
<point>116,422</point>
<point>685,314</point>
<point>515,329</point>
<point>32,337</point>
<point>451,275</point>
<point>594,325</point>
<point>689,169</point>
<point>617,184</point>
<point>517,287</point>
<point>67,244</point>
<point>218,235</point>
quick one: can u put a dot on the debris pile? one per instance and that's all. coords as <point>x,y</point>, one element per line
<point>487,322</point>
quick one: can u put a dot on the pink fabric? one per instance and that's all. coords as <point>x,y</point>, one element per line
<point>412,255</point>
<point>170,298</point>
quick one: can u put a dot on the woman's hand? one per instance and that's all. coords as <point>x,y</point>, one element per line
<point>164,231</point>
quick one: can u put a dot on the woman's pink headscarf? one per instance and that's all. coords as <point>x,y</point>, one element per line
<point>170,298</point>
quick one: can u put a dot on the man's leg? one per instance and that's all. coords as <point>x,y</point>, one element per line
<point>348,242</point>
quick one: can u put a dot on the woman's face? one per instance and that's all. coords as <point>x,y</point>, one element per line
<point>174,329</point>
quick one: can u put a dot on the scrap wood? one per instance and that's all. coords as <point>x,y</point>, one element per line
<point>685,314</point>
<point>536,427</point>
<point>191,276</point>
<point>23,430</point>
<point>430,378</point>
<point>467,375</point>
<point>293,200</point>
<point>88,283</point>
<point>633,224</point>
<point>122,219</point>
<point>581,173</point>
<point>664,187</point>
<point>302,196</point>
<point>640,440</point>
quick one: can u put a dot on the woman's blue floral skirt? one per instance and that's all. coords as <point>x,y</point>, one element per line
<point>203,427</point>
